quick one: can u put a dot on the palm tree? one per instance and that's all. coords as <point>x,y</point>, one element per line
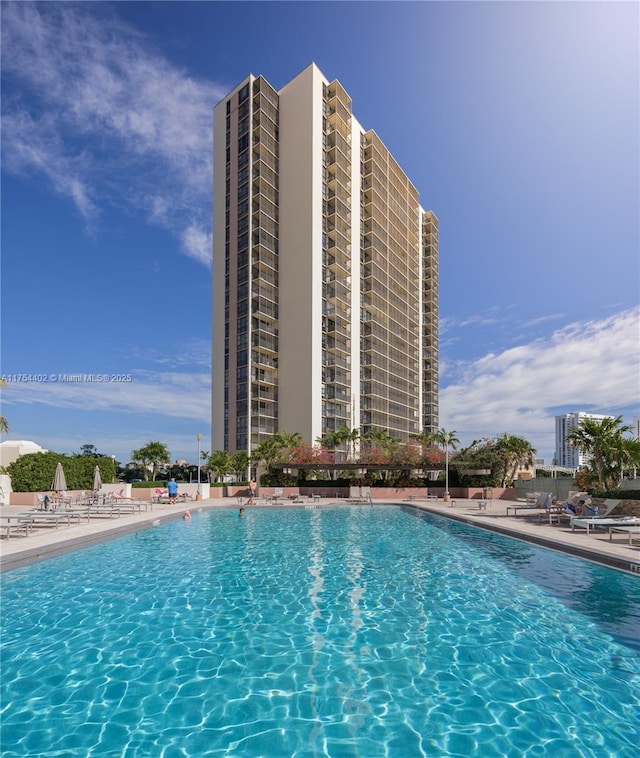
<point>219,463</point>
<point>335,439</point>
<point>151,455</point>
<point>606,447</point>
<point>350,436</point>
<point>517,453</point>
<point>267,452</point>
<point>383,439</point>
<point>446,440</point>
<point>4,424</point>
<point>240,464</point>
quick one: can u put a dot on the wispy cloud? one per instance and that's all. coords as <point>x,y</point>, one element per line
<point>91,106</point>
<point>592,365</point>
<point>168,394</point>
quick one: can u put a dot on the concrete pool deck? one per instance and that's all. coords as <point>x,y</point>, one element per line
<point>46,542</point>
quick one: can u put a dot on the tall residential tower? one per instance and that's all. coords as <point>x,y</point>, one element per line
<point>567,455</point>
<point>325,272</point>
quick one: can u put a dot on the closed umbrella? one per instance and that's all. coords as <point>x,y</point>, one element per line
<point>97,479</point>
<point>59,483</point>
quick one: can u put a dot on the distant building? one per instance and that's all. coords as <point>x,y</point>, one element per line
<point>11,450</point>
<point>567,455</point>
<point>325,270</point>
<point>635,428</point>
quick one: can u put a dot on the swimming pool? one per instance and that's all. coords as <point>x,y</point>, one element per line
<point>342,632</point>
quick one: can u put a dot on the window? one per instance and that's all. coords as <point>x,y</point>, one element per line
<point>243,94</point>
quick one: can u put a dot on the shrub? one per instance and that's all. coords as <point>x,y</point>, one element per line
<point>34,472</point>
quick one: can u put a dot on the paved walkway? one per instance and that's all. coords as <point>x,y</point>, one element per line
<point>48,541</point>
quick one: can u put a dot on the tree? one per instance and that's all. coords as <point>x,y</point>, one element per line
<point>517,453</point>
<point>336,439</point>
<point>608,450</point>
<point>219,463</point>
<point>151,455</point>
<point>350,437</point>
<point>33,472</point>
<point>204,457</point>
<point>91,450</point>
<point>240,464</point>
<point>267,452</point>
<point>446,440</point>
<point>287,440</point>
<point>4,424</point>
<point>382,439</point>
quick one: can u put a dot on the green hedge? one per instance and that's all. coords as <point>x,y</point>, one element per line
<point>617,494</point>
<point>34,472</point>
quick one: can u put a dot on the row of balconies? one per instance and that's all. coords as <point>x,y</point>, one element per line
<point>264,377</point>
<point>333,155</point>
<point>336,290</point>
<point>337,360</point>
<point>263,412</point>
<point>337,326</point>
<point>336,392</point>
<point>264,292</point>
<point>262,359</point>
<point>264,177</point>
<point>337,342</point>
<point>263,258</point>
<point>267,157</point>
<point>264,342</point>
<point>264,276</point>
<point>264,308</point>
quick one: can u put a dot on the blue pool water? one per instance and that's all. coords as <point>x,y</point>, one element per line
<point>346,632</point>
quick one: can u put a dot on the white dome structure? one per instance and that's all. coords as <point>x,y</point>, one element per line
<point>11,450</point>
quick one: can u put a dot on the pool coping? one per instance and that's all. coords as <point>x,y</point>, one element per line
<point>591,554</point>
<point>19,552</point>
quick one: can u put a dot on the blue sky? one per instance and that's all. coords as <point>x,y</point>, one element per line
<point>518,123</point>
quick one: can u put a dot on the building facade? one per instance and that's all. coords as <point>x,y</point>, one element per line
<point>567,455</point>
<point>325,272</point>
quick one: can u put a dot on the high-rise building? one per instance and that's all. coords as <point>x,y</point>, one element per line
<point>568,455</point>
<point>325,272</point>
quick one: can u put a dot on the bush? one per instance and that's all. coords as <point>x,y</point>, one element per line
<point>34,472</point>
<point>617,494</point>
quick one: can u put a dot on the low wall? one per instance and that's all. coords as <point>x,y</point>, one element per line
<point>378,493</point>
<point>5,489</point>
<point>189,488</point>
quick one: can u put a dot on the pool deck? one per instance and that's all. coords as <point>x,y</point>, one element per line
<point>48,541</point>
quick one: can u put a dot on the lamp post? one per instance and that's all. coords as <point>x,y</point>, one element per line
<point>113,458</point>
<point>198,495</point>
<point>446,496</point>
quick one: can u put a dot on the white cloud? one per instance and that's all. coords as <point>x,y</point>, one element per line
<point>197,243</point>
<point>89,105</point>
<point>169,394</point>
<point>593,366</point>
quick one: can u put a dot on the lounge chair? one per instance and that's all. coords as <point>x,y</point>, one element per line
<point>558,514</point>
<point>10,527</point>
<point>604,519</point>
<point>359,495</point>
<point>277,494</point>
<point>534,501</point>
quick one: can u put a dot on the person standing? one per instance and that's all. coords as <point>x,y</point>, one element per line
<point>252,491</point>
<point>172,489</point>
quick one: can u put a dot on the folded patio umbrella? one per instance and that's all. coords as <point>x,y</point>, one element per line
<point>97,479</point>
<point>59,480</point>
